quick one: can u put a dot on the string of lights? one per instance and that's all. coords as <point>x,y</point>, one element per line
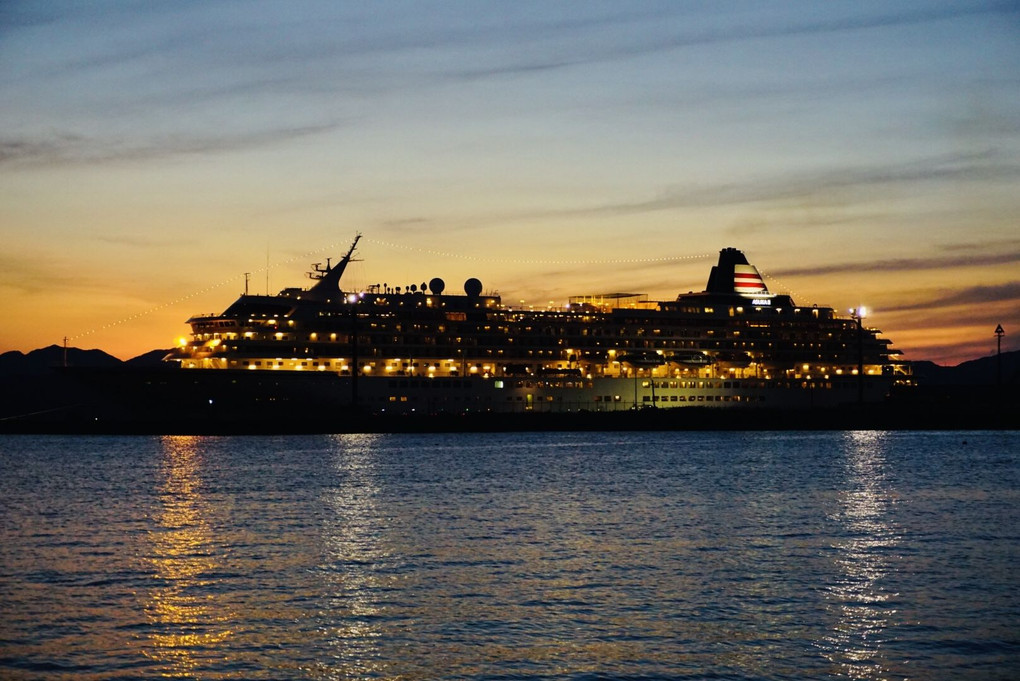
<point>388,244</point>
<point>194,294</point>
<point>152,310</point>
<point>790,292</point>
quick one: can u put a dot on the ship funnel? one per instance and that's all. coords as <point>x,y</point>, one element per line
<point>748,282</point>
<point>734,274</point>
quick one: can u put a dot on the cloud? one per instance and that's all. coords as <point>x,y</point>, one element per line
<point>900,265</point>
<point>215,38</point>
<point>820,187</point>
<point>977,167</point>
<point>647,41</point>
<point>30,276</point>
<point>998,245</point>
<point>973,295</point>
<point>849,23</point>
<point>137,241</point>
<point>14,150</point>
<point>78,149</point>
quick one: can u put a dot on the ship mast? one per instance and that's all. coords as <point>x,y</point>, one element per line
<point>328,278</point>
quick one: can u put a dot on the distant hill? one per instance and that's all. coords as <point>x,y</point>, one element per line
<point>982,371</point>
<point>45,360</point>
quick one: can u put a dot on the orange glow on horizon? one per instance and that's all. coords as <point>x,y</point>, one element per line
<point>946,334</point>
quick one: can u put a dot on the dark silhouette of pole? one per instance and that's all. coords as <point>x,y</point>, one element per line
<point>634,369</point>
<point>999,333</point>
<point>858,315</point>
<point>355,370</point>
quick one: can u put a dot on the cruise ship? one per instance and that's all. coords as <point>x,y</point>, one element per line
<point>419,349</point>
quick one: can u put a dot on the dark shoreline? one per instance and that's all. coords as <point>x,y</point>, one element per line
<point>161,402</point>
<point>890,416</point>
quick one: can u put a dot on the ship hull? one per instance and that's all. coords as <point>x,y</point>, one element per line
<point>173,401</point>
<point>246,392</point>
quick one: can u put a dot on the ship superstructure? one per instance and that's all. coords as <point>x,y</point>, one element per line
<point>419,348</point>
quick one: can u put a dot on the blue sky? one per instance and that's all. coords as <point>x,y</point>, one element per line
<point>859,153</point>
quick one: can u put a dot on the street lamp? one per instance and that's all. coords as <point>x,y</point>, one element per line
<point>352,300</point>
<point>858,314</point>
<point>999,333</point>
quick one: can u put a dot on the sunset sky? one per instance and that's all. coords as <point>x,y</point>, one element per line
<point>859,153</point>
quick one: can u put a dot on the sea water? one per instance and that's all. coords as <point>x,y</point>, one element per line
<point>751,555</point>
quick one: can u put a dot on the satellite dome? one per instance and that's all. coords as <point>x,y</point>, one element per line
<point>473,287</point>
<point>437,285</point>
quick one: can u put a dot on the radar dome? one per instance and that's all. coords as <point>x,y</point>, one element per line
<point>473,287</point>
<point>437,285</point>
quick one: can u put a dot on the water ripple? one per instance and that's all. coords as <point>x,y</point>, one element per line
<point>512,556</point>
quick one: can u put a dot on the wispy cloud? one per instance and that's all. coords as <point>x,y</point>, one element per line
<point>973,295</point>
<point>988,166</point>
<point>833,186</point>
<point>142,240</point>
<point>35,276</point>
<point>903,265</point>
<point>275,47</point>
<point>670,31</point>
<point>65,149</point>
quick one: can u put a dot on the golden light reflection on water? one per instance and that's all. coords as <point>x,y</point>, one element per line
<point>858,597</point>
<point>354,551</point>
<point>183,554</point>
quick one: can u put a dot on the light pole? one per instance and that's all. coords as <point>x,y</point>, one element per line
<point>352,300</point>
<point>858,315</point>
<point>999,333</point>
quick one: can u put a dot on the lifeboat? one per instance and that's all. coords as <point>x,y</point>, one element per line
<point>692,358</point>
<point>643,359</point>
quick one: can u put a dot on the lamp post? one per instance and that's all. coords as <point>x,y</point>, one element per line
<point>352,300</point>
<point>634,369</point>
<point>999,333</point>
<point>858,315</point>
